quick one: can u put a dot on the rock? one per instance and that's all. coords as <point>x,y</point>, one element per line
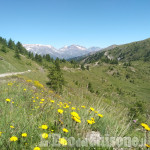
<point>93,137</point>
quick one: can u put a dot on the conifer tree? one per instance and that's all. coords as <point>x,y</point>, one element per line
<point>56,80</point>
<point>3,49</point>
<point>17,55</point>
<point>11,44</point>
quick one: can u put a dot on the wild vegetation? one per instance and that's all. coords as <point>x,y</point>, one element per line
<point>110,97</point>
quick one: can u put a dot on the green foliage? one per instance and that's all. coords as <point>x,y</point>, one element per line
<point>87,67</point>
<point>56,80</point>
<point>11,44</point>
<point>3,41</point>
<point>90,88</point>
<point>82,67</point>
<point>3,49</point>
<point>20,47</point>
<point>17,55</point>
<point>38,58</point>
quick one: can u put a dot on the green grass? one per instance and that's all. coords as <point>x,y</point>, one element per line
<point>117,95</point>
<point>26,115</point>
<point>11,64</point>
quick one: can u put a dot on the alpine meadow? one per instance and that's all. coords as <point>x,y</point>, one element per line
<point>75,97</point>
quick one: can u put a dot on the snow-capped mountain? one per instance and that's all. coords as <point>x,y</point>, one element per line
<point>64,52</point>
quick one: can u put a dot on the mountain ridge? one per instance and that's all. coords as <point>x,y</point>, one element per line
<point>64,52</point>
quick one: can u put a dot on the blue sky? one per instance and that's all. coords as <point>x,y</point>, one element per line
<point>83,22</point>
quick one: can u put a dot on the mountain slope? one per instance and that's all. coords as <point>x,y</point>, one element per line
<point>128,52</point>
<point>64,52</point>
<point>8,63</point>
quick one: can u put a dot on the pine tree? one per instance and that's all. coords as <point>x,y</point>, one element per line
<point>11,44</point>
<point>82,67</point>
<point>17,55</point>
<point>20,47</point>
<point>87,67</point>
<point>90,88</point>
<point>56,80</point>
<point>3,49</point>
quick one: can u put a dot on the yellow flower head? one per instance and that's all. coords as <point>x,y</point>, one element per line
<point>61,122</point>
<point>36,148</point>
<point>12,127</point>
<point>100,115</point>
<point>73,108</point>
<point>44,127</point>
<point>63,141</point>
<point>76,119</point>
<point>42,100</point>
<point>93,120</point>
<point>8,100</point>
<point>74,114</point>
<point>24,89</point>
<point>145,126</point>
<point>24,134</point>
<point>148,146</point>
<point>60,111</point>
<point>65,130</point>
<point>52,101</point>
<point>96,112</point>
<point>91,108</point>
<point>83,106</point>
<point>44,135</point>
<point>89,121</point>
<point>13,139</point>
<point>0,133</point>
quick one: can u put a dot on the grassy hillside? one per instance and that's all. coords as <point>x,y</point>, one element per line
<point>8,63</point>
<point>115,105</point>
<point>128,52</point>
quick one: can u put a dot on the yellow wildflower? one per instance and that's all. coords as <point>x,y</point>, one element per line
<point>93,120</point>
<point>12,127</point>
<point>33,101</point>
<point>0,133</point>
<point>52,101</point>
<point>83,106</point>
<point>96,112</point>
<point>91,108</point>
<point>65,130</point>
<point>44,127</point>
<point>76,119</point>
<point>36,148</point>
<point>24,89</point>
<point>100,115</point>
<point>148,146</point>
<point>8,100</point>
<point>24,134</point>
<point>13,139</point>
<point>89,122</point>
<point>63,141</point>
<point>144,125</point>
<point>44,135</point>
<point>74,114</point>
<point>73,108</point>
<point>42,100</point>
<point>61,122</point>
<point>60,111</point>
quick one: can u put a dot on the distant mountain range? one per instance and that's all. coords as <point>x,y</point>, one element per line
<point>64,52</point>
